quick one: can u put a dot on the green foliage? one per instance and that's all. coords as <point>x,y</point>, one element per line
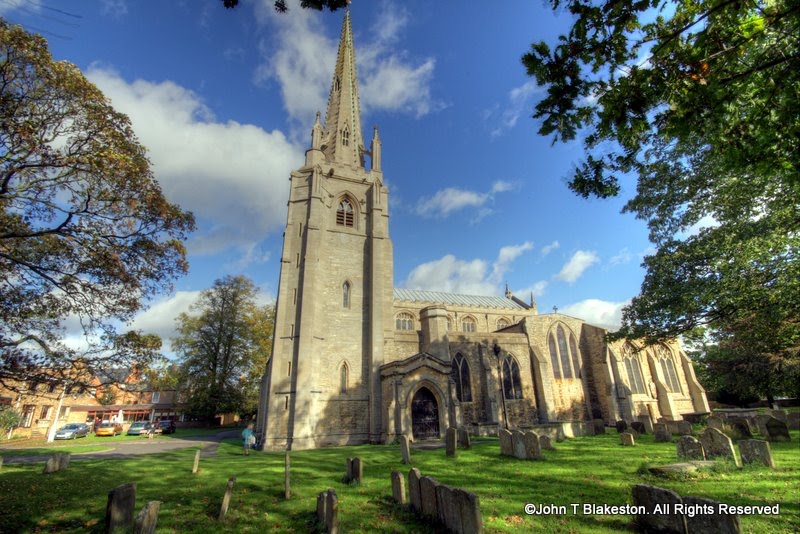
<point>9,418</point>
<point>223,348</point>
<point>85,231</point>
<point>700,101</point>
<point>282,7</point>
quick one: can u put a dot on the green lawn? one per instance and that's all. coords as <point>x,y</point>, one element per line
<point>584,470</point>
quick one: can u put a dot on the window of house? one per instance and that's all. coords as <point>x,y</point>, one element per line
<point>468,324</point>
<point>45,413</point>
<point>64,412</point>
<point>346,295</point>
<point>344,214</point>
<point>27,414</point>
<point>460,375</point>
<point>404,321</point>
<point>343,378</point>
<point>554,356</point>
<point>512,386</point>
<point>156,396</point>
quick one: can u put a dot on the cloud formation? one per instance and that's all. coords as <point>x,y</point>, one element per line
<point>598,312</point>
<point>519,103</point>
<point>452,199</point>
<point>577,265</point>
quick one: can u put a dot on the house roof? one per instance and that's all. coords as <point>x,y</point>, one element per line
<point>438,297</point>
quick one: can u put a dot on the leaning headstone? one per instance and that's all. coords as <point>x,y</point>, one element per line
<point>761,423</point>
<point>627,440</point>
<point>662,433</point>
<point>287,476</point>
<point>599,426</point>
<point>119,508</point>
<point>322,503</point>
<point>331,512</point>
<point>518,441</point>
<point>654,500</point>
<point>463,438</point>
<point>638,427</point>
<point>709,523</point>
<point>450,441</point>
<point>506,442</point>
<point>647,421</point>
<point>545,443</point>
<point>777,430</point>
<point>405,451</point>
<point>414,494</point>
<point>622,426</point>
<point>427,492</point>
<point>684,428</point>
<point>740,428</point>
<point>469,507</point>
<point>196,464</point>
<point>398,487</point>
<point>447,508</point>
<point>793,421</point>
<point>715,421</point>
<point>533,450</point>
<point>57,462</point>
<point>755,451</point>
<point>716,444</point>
<point>226,499</point>
<point>147,518</point>
<point>690,448</point>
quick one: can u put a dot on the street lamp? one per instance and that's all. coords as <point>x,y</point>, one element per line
<point>496,350</point>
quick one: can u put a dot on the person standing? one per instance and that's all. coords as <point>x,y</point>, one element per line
<point>248,439</point>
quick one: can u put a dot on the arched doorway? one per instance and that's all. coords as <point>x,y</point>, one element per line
<point>424,415</point>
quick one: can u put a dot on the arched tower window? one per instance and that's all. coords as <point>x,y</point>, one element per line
<point>468,324</point>
<point>512,386</point>
<point>345,137</point>
<point>502,323</point>
<point>668,368</point>
<point>346,295</point>
<point>566,368</point>
<point>344,378</point>
<point>404,321</point>
<point>633,369</point>
<point>344,213</point>
<point>551,340</point>
<point>460,375</point>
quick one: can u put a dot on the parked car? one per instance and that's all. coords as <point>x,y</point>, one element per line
<point>166,426</point>
<point>72,431</point>
<point>107,428</point>
<point>139,427</point>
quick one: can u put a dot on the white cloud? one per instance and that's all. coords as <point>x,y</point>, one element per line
<point>707,221</point>
<point>232,176</point>
<point>519,100</point>
<point>115,8</point>
<point>538,289</point>
<point>471,277</point>
<point>6,6</point>
<point>575,267</point>
<point>160,317</point>
<point>447,201</point>
<point>622,257</point>
<point>601,313</point>
<point>547,249</point>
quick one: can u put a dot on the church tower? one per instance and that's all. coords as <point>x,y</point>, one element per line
<point>334,308</point>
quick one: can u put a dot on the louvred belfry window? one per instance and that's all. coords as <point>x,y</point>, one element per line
<point>344,214</point>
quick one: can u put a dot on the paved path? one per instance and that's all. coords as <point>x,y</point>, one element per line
<point>131,449</point>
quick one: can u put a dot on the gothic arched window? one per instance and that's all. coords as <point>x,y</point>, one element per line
<point>554,356</point>
<point>460,375</point>
<point>344,213</point>
<point>346,295</point>
<point>668,368</point>
<point>634,370</point>
<point>468,324</point>
<point>566,369</point>
<point>404,321</point>
<point>576,357</point>
<point>345,137</point>
<point>502,323</point>
<point>512,386</point>
<point>344,373</point>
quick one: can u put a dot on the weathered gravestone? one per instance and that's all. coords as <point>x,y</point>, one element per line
<point>659,513</point>
<point>760,422</point>
<point>506,442</point>
<point>427,492</point>
<point>533,450</point>
<point>715,421</point>
<point>740,428</point>
<point>781,415</point>
<point>57,462</point>
<point>355,471</point>
<point>638,427</point>
<point>599,427</point>
<point>777,430</point>
<point>447,508</point>
<point>414,494</point>
<point>647,421</point>
<point>226,499</point>
<point>328,511</point>
<point>716,444</point>
<point>287,476</point>
<point>196,464</point>
<point>450,441</point>
<point>662,433</point>
<point>627,440</point>
<point>622,426</point>
<point>119,508</point>
<point>755,451</point>
<point>405,450</point>
<point>709,523</point>
<point>793,421</point>
<point>469,507</point>
<point>398,487</point>
<point>463,438</point>
<point>684,428</point>
<point>545,443</point>
<point>147,518</point>
<point>518,442</point>
<point>690,448</point>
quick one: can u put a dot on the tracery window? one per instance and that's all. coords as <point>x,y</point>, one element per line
<point>502,323</point>
<point>346,295</point>
<point>344,214</point>
<point>404,321</point>
<point>345,137</point>
<point>460,375</point>
<point>634,370</point>
<point>566,368</point>
<point>512,386</point>
<point>468,324</point>
<point>668,368</point>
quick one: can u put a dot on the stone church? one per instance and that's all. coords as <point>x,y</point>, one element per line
<point>356,360</point>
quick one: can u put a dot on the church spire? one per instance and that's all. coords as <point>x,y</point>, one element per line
<point>343,141</point>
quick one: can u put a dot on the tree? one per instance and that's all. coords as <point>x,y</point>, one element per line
<point>281,7</point>
<point>222,345</point>
<point>9,420</point>
<point>701,102</point>
<point>86,234</point>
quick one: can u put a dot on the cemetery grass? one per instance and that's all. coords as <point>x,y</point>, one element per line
<point>594,470</point>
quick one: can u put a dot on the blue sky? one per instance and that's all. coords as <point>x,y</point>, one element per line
<point>224,101</point>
